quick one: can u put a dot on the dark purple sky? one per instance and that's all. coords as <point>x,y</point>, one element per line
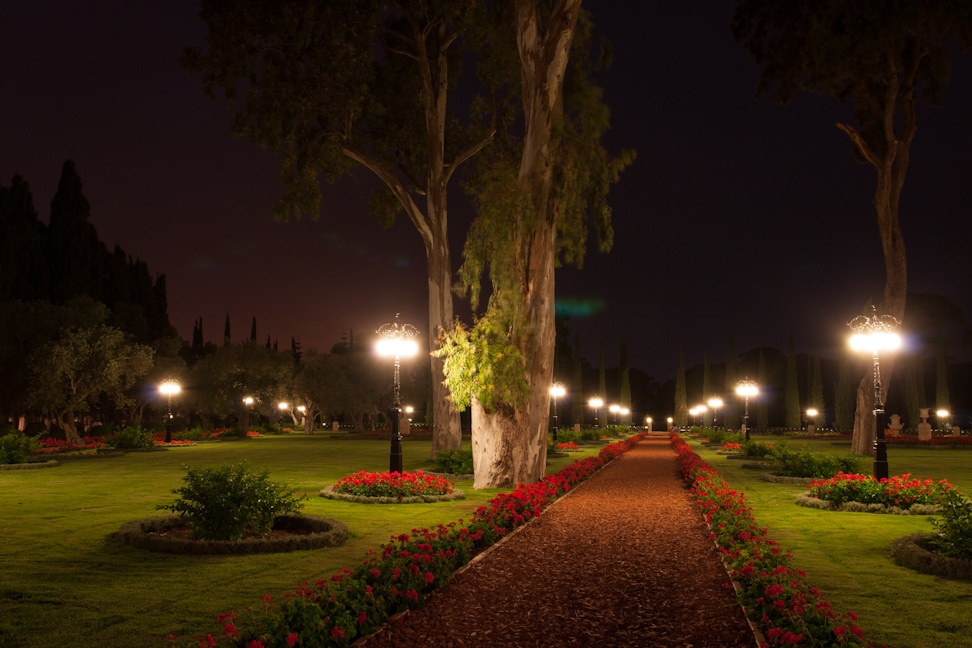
<point>737,216</point>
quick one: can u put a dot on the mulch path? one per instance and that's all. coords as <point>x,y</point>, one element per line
<point>624,560</point>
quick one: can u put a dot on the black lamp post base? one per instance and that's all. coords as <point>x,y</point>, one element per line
<point>395,457</point>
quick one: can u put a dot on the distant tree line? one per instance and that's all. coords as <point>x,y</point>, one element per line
<point>85,339</point>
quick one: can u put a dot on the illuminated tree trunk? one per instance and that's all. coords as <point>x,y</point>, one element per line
<point>514,446</point>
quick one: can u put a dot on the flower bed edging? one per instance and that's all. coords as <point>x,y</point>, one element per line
<point>808,500</point>
<point>145,534</point>
<point>781,605</point>
<point>911,551</point>
<point>330,493</point>
<point>31,465</point>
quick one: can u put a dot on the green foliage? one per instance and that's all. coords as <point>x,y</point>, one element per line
<point>722,436</point>
<point>482,363</point>
<point>757,449</point>
<point>954,527</point>
<point>804,463</point>
<point>589,434</point>
<point>191,434</point>
<point>454,462</point>
<point>224,502</point>
<point>16,447</point>
<point>129,438</point>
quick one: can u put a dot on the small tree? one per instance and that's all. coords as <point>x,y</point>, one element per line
<point>793,413</point>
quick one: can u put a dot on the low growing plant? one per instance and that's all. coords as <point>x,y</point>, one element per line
<point>454,462</point>
<point>224,502</point>
<point>804,463</point>
<point>901,491</point>
<point>384,484</point>
<point>16,447</point>
<point>953,535</point>
<point>131,437</point>
<point>756,449</point>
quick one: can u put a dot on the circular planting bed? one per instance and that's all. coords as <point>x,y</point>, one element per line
<point>808,500</point>
<point>290,533</point>
<point>330,493</point>
<point>31,465</point>
<point>915,552</point>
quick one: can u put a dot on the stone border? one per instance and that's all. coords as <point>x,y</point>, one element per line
<point>808,500</point>
<point>329,493</point>
<point>30,465</point>
<point>145,534</point>
<point>450,476</point>
<point>780,479</point>
<point>911,552</point>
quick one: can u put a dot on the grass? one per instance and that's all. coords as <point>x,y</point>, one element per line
<point>65,581</point>
<point>847,555</point>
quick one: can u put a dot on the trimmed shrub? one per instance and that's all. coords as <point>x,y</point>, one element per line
<point>454,462</point>
<point>16,447</point>
<point>132,437</point>
<point>806,464</point>
<point>224,502</point>
<point>954,527</point>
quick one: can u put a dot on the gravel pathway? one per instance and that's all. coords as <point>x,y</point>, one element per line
<point>624,560</point>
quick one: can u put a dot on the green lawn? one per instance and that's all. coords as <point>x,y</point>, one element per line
<point>65,581</point>
<point>847,555</point>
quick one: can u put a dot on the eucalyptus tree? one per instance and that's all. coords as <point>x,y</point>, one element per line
<point>336,84</point>
<point>884,57</point>
<point>544,179</point>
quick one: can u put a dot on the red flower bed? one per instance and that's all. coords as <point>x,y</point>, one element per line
<point>901,491</point>
<point>53,446</point>
<point>355,602</point>
<point>570,445</point>
<point>785,608</point>
<point>395,484</point>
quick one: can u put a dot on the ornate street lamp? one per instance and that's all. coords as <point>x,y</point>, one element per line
<point>746,388</point>
<point>701,410</point>
<point>597,403</point>
<point>715,403</point>
<point>397,341</point>
<point>811,418</point>
<point>616,410</point>
<point>942,414</point>
<point>169,388</point>
<point>557,390</point>
<point>670,421</point>
<point>876,333</point>
<point>624,411</point>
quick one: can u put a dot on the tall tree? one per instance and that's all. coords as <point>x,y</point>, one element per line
<point>732,415</point>
<point>762,406</point>
<point>533,201</point>
<point>794,416</point>
<point>76,255</point>
<point>844,395</point>
<point>253,330</point>
<point>601,374</point>
<point>706,390</point>
<point>624,392</point>
<point>337,84</point>
<point>577,386</point>
<point>942,396</point>
<point>23,268</point>
<point>816,391</point>
<point>914,392</point>
<point>884,57</point>
<point>681,393</point>
<point>226,331</point>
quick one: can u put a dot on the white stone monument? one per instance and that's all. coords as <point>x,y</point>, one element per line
<point>896,425</point>
<point>924,428</point>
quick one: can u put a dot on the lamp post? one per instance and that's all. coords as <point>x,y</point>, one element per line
<point>670,421</point>
<point>942,414</point>
<point>648,423</point>
<point>876,333</point>
<point>556,391</point>
<point>624,411</point>
<point>169,388</point>
<point>396,340</point>
<point>811,420</point>
<point>701,409</point>
<point>597,403</point>
<point>615,409</point>
<point>715,403</point>
<point>746,388</point>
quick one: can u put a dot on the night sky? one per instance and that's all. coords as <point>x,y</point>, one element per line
<point>737,215</point>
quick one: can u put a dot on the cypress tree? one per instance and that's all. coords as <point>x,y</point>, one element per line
<point>197,333</point>
<point>601,377</point>
<point>76,256</point>
<point>816,391</point>
<point>577,388</point>
<point>914,392</point>
<point>24,272</point>
<point>793,412</point>
<point>706,390</point>
<point>253,330</point>
<point>226,331</point>
<point>681,397</point>
<point>295,351</point>
<point>625,395</point>
<point>845,395</point>
<point>762,407</point>
<point>942,397</point>
<point>732,416</point>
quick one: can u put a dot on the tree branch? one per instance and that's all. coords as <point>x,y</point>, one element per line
<point>465,155</point>
<point>861,144</point>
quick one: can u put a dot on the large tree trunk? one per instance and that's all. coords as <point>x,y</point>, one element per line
<point>65,421</point>
<point>446,430</point>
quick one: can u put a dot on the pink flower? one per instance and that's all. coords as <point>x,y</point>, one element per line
<point>208,642</point>
<point>429,577</point>
<point>256,643</point>
<point>337,633</point>
<point>292,639</point>
<point>362,618</point>
<point>230,629</point>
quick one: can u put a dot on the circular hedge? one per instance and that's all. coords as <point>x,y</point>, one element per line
<point>914,552</point>
<point>306,532</point>
<point>808,500</point>
<point>330,493</point>
<point>30,465</point>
